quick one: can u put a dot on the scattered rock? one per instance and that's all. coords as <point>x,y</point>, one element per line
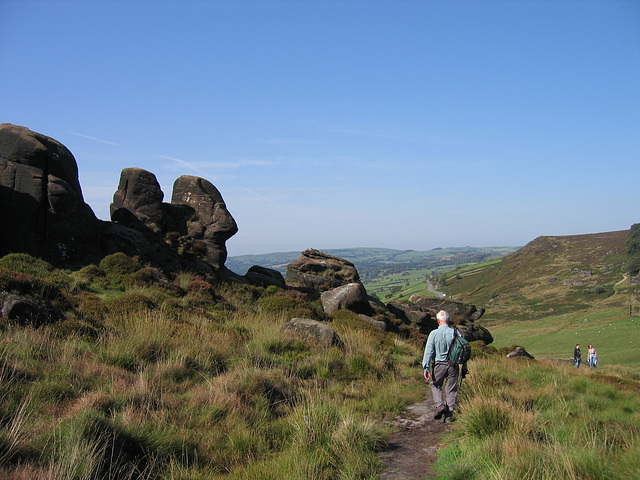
<point>257,275</point>
<point>321,271</point>
<point>352,296</point>
<point>414,314</point>
<point>312,331</point>
<point>24,312</point>
<point>519,352</point>
<point>380,325</point>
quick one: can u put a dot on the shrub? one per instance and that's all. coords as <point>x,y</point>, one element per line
<point>286,306</point>
<point>68,328</point>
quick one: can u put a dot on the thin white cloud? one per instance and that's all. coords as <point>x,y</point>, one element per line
<point>186,164</point>
<point>99,140</point>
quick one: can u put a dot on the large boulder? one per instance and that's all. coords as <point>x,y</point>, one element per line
<point>352,296</point>
<point>43,211</point>
<point>472,332</point>
<point>520,352</point>
<point>257,275</point>
<point>313,332</point>
<point>321,271</point>
<point>137,203</point>
<point>456,309</point>
<point>25,312</point>
<point>413,314</point>
<point>211,222</point>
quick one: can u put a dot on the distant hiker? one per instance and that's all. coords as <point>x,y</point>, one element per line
<point>577,356</point>
<point>592,357</point>
<point>437,349</point>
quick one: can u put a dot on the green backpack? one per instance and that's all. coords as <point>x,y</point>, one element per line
<point>460,350</point>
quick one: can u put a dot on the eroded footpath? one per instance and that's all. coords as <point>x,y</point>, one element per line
<point>411,451</point>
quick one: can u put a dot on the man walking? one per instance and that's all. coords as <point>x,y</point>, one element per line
<point>437,349</point>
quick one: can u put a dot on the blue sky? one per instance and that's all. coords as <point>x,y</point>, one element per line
<point>334,124</point>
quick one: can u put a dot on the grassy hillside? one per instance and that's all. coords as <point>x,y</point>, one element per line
<point>548,276</point>
<point>150,377</point>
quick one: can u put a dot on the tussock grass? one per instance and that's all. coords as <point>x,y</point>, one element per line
<point>149,377</point>
<point>543,420</point>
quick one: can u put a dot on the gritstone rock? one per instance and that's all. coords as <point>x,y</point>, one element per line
<point>257,275</point>
<point>211,221</point>
<point>352,296</point>
<point>319,270</point>
<point>43,211</point>
<point>312,331</point>
<point>519,352</point>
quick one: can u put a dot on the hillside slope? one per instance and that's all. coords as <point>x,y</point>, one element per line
<point>551,274</point>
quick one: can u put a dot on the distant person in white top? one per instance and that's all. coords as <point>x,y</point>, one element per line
<point>592,357</point>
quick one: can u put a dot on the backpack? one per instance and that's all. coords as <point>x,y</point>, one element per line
<point>459,351</point>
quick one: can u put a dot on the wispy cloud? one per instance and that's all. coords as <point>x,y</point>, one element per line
<point>189,165</point>
<point>99,140</point>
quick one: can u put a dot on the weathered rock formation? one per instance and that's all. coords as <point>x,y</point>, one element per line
<point>196,211</point>
<point>44,214</point>
<point>352,296</point>
<point>457,310</point>
<point>421,311</point>
<point>43,211</point>
<point>312,331</point>
<point>419,316</point>
<point>211,221</point>
<point>321,271</point>
<point>257,275</point>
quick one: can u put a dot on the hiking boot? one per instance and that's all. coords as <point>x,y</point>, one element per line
<point>441,412</point>
<point>448,417</point>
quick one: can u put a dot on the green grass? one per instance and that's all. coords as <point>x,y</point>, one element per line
<point>614,334</point>
<point>183,379</point>
<point>543,420</point>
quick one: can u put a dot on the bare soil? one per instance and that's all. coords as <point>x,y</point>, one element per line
<point>411,451</point>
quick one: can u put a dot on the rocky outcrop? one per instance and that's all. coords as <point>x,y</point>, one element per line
<point>421,311</point>
<point>211,222</point>
<point>413,314</point>
<point>456,309</point>
<point>321,271</point>
<point>43,211</point>
<point>352,296</point>
<point>44,214</point>
<point>196,211</point>
<point>312,331</point>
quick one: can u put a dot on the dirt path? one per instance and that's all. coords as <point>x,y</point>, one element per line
<point>411,451</point>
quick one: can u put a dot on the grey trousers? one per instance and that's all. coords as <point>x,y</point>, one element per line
<point>445,375</point>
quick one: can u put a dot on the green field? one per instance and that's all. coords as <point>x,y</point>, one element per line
<point>615,336</point>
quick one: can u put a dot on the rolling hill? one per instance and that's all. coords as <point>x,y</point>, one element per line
<point>548,276</point>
